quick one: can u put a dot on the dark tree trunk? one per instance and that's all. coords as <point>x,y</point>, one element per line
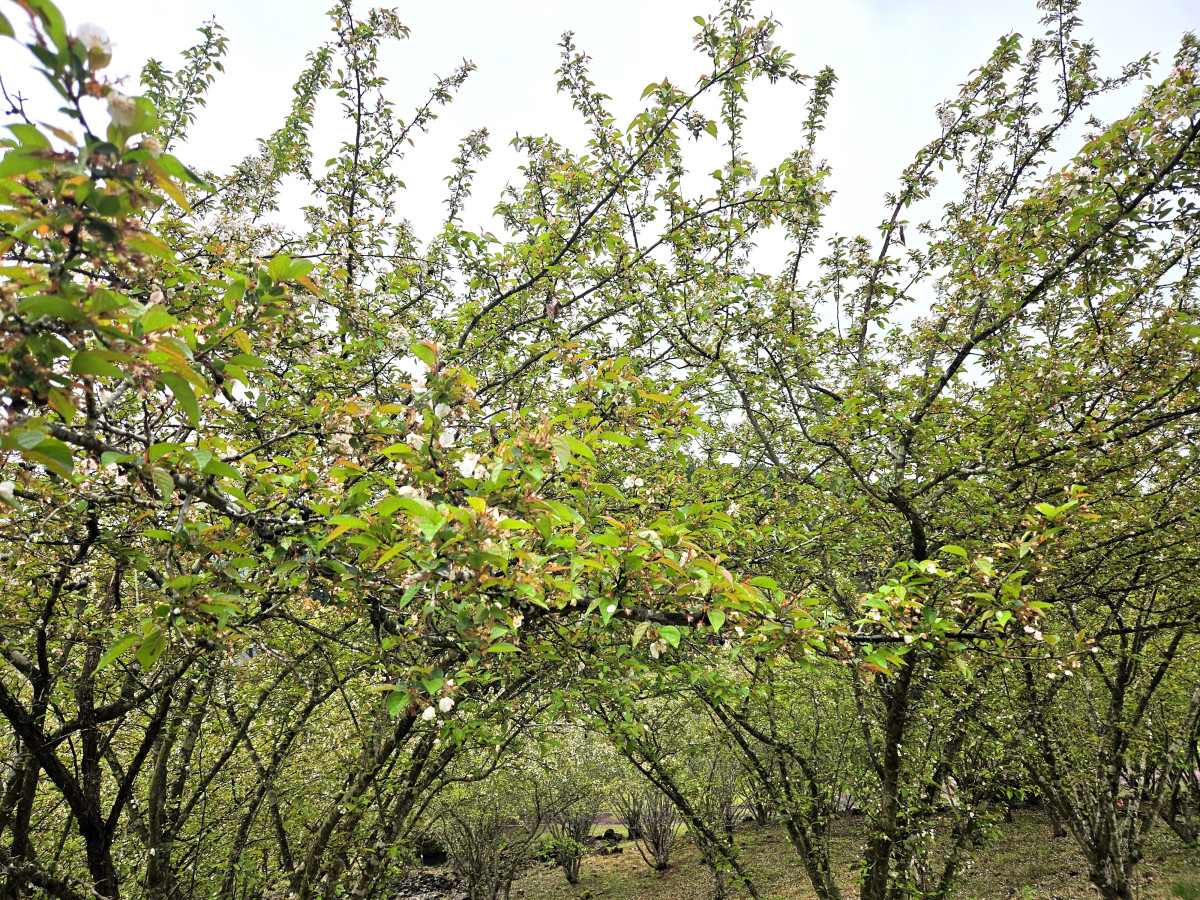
<point>885,829</point>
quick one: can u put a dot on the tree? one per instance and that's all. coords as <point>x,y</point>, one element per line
<point>333,500</point>
<point>200,491</point>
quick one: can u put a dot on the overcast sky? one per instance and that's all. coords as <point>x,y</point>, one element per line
<point>894,59</point>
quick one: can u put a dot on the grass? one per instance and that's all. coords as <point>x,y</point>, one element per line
<point>1025,862</point>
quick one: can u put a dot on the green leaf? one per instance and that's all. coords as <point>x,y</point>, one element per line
<point>161,449</point>
<point>184,396</point>
<point>27,440</point>
<point>220,469</point>
<point>116,650</point>
<point>425,353</point>
<point>152,246</point>
<point>430,523</point>
<point>246,361</point>
<point>298,269</point>
<point>562,451</point>
<point>163,482</point>
<point>53,454</point>
<point>173,166</point>
<point>156,318</point>
<point>512,525</point>
<point>579,447</point>
<point>670,634</point>
<point>349,522</point>
<point>50,305</point>
<point>94,362</point>
<point>955,549</point>
<point>639,633</point>
<point>17,163</point>
<point>395,702</point>
<point>716,618</point>
<point>30,136</point>
<point>279,267</point>
<point>151,648</point>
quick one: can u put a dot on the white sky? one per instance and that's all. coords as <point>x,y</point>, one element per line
<point>894,58</point>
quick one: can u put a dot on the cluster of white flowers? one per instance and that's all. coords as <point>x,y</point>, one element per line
<point>340,441</point>
<point>631,482</point>
<point>415,439</point>
<point>470,466</point>
<point>657,648</point>
<point>1072,189</point>
<point>947,116</point>
<point>733,509</point>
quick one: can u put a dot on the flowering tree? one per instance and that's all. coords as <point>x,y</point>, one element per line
<point>331,506</point>
<point>216,463</point>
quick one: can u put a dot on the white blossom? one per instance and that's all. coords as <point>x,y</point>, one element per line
<point>121,109</point>
<point>415,440</point>
<point>429,713</point>
<point>446,704</point>
<point>469,466</point>
<point>734,508</point>
<point>446,438</point>
<point>95,41</point>
<point>7,489</point>
<point>441,410</point>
